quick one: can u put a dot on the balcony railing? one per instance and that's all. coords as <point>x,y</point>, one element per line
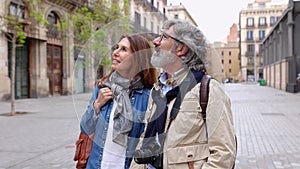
<point>148,5</point>
<point>252,40</point>
<point>250,63</point>
<point>80,2</point>
<point>69,4</point>
<point>250,26</point>
<point>151,7</point>
<point>53,32</point>
<point>263,25</point>
<point>138,28</point>
<point>249,53</point>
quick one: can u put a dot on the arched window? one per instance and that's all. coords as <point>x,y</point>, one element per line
<point>53,25</point>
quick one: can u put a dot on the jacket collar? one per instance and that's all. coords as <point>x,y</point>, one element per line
<point>175,80</point>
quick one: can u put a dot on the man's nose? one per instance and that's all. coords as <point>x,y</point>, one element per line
<point>156,41</point>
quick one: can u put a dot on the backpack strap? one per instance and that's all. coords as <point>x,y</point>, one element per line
<point>204,92</point>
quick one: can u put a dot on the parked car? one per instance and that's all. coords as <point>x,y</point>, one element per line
<point>251,78</point>
<point>227,80</point>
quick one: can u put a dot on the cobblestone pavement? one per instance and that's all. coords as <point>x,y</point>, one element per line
<point>44,137</point>
<point>267,123</point>
<point>43,134</point>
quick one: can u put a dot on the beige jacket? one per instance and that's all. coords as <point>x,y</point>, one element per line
<point>186,139</point>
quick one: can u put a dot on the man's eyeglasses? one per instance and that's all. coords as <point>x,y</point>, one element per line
<point>165,35</point>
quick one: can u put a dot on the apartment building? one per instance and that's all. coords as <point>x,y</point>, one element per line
<point>42,68</point>
<point>147,16</point>
<point>179,12</point>
<point>281,51</point>
<point>224,58</point>
<point>51,62</point>
<point>255,22</point>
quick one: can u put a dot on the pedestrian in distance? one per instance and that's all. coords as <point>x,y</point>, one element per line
<point>177,136</point>
<point>116,111</point>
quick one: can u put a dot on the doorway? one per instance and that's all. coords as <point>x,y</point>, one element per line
<point>54,69</point>
<point>22,70</point>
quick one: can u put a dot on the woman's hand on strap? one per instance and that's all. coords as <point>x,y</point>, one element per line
<point>104,95</point>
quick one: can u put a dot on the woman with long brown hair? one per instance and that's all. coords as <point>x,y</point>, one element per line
<point>115,115</point>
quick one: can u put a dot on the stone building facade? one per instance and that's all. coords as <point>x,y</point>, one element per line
<point>43,64</point>
<point>224,58</point>
<point>255,22</point>
<point>47,63</point>
<point>180,12</point>
<point>281,51</point>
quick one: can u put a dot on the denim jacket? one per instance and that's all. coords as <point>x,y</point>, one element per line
<point>91,123</point>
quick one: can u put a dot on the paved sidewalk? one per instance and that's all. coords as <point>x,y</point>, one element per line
<point>45,136</point>
<point>267,123</point>
<point>267,127</point>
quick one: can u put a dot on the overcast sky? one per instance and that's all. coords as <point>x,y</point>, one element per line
<point>215,17</point>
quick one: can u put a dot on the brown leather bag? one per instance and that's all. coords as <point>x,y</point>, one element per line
<point>83,150</point>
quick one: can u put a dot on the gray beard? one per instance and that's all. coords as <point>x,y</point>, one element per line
<point>163,58</point>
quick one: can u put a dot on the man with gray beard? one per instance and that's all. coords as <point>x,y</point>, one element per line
<point>177,136</point>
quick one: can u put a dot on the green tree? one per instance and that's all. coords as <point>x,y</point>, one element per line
<point>16,23</point>
<point>91,32</point>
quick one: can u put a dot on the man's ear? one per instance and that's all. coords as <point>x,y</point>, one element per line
<point>181,50</point>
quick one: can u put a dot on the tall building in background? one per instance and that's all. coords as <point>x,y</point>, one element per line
<point>255,23</point>
<point>179,12</point>
<point>233,33</point>
<point>223,58</point>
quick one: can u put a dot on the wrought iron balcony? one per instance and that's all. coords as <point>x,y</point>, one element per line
<point>150,6</point>
<point>140,29</point>
<point>249,53</point>
<point>53,32</point>
<point>250,64</point>
<point>77,1</point>
<point>69,4</point>
<point>263,25</point>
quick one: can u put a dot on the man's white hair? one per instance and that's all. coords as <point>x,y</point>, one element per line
<point>192,37</point>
